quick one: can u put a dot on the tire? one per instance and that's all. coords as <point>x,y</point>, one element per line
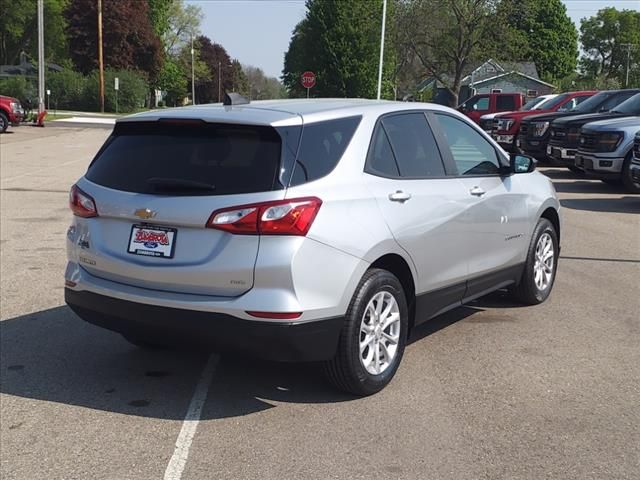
<point>4,122</point>
<point>627,181</point>
<point>347,370</point>
<point>535,286</point>
<point>143,343</point>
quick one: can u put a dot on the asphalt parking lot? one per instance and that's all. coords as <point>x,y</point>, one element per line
<point>488,391</point>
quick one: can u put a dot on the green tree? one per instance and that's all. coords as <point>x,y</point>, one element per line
<point>339,40</point>
<point>218,64</point>
<point>540,31</point>
<point>262,87</point>
<point>446,36</point>
<point>19,30</point>
<point>610,39</point>
<point>160,15</point>
<point>173,81</point>
<point>240,80</point>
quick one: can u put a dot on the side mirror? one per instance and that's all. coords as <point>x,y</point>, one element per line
<point>522,163</point>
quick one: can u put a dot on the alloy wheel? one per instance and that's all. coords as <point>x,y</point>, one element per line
<point>379,333</point>
<point>544,263</point>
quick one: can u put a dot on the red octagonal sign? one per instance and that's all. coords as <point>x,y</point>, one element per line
<point>308,79</point>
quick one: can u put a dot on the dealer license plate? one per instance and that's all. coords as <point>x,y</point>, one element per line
<point>152,241</point>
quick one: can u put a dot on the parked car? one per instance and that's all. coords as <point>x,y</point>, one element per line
<point>506,126</point>
<point>606,150</point>
<point>319,230</point>
<point>635,162</point>
<point>564,135</point>
<point>537,103</point>
<point>485,103</point>
<point>554,144</point>
<point>11,112</point>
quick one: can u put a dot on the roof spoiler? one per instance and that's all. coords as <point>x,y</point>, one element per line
<point>231,99</point>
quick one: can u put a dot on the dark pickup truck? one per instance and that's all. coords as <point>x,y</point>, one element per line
<point>562,143</point>
<point>535,131</point>
<point>562,146</point>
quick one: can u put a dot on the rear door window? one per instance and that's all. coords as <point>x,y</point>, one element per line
<point>321,147</point>
<point>414,146</point>
<point>189,159</point>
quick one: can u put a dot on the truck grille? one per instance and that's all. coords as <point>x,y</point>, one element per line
<point>524,129</point>
<point>636,150</point>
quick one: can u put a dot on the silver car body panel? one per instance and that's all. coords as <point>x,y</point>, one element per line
<point>444,234</point>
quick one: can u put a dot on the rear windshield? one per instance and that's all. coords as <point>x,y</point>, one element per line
<point>189,159</point>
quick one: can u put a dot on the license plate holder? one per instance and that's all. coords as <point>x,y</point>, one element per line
<point>152,241</point>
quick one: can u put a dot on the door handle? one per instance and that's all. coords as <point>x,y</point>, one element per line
<point>399,196</point>
<point>477,191</point>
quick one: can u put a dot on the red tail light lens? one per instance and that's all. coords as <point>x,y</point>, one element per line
<point>282,217</point>
<point>276,315</point>
<point>81,204</point>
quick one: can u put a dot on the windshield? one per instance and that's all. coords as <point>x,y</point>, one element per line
<point>532,103</point>
<point>592,104</point>
<point>630,106</point>
<point>554,102</point>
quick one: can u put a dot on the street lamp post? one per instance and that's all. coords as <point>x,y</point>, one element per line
<point>384,21</point>
<point>193,74</point>
<point>40,56</point>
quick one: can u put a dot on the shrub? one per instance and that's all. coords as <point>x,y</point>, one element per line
<point>23,88</point>
<point>67,90</point>
<point>131,95</point>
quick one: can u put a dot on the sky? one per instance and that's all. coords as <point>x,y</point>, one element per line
<point>257,32</point>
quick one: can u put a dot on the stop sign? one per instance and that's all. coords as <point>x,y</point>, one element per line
<point>308,79</point>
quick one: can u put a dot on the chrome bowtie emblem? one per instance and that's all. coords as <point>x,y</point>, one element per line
<point>144,213</point>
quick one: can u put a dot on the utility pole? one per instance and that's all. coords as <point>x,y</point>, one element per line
<point>628,45</point>
<point>100,61</point>
<point>384,21</point>
<point>193,74</point>
<point>219,82</point>
<point>40,56</point>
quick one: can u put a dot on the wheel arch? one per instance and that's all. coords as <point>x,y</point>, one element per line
<point>552,215</point>
<point>398,266</point>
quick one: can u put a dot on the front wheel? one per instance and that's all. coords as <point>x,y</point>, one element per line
<point>4,122</point>
<point>629,183</point>
<point>373,337</point>
<point>540,268</point>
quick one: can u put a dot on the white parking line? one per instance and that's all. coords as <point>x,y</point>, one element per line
<point>190,424</point>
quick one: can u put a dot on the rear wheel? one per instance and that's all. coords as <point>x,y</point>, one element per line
<point>373,337</point>
<point>4,122</point>
<point>629,183</point>
<point>540,268</point>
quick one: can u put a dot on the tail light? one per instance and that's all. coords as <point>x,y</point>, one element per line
<point>282,217</point>
<point>81,204</point>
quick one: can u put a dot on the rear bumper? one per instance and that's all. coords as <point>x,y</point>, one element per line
<point>280,341</point>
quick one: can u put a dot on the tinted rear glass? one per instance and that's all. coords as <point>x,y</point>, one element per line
<point>505,102</point>
<point>321,148</point>
<point>179,159</point>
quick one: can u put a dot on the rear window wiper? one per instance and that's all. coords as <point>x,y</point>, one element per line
<point>178,184</point>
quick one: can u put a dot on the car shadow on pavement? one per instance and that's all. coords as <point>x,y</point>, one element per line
<point>588,186</point>
<point>54,356</point>
<point>630,204</point>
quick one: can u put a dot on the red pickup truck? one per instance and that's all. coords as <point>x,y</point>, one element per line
<point>484,103</point>
<point>506,126</point>
<point>11,112</point>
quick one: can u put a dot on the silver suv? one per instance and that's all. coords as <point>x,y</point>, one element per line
<point>312,230</point>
